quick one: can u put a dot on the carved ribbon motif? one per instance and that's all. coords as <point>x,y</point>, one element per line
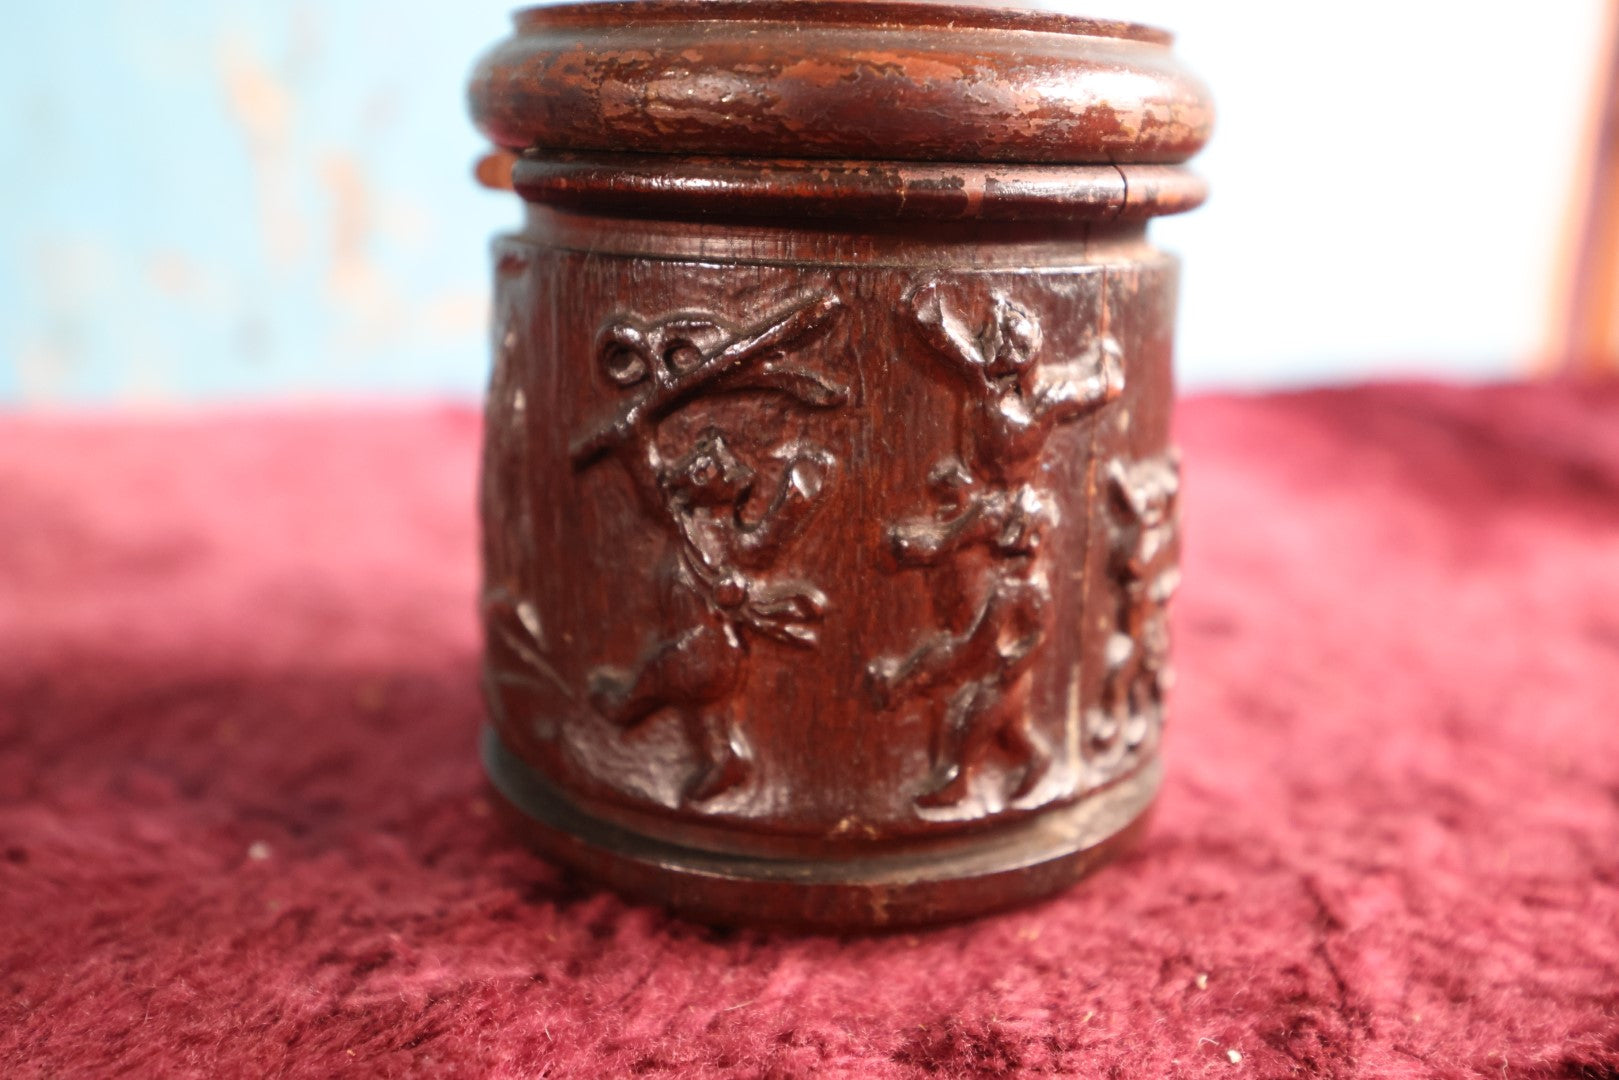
<point>728,514</point>
<point>715,591</point>
<point>989,497</point>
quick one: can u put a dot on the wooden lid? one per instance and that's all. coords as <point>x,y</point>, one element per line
<point>848,80</point>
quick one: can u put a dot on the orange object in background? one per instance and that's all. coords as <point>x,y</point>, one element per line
<point>1585,330</point>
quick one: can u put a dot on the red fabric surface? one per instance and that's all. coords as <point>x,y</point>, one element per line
<point>242,830</point>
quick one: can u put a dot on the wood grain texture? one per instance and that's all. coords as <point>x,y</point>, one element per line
<point>872,80</point>
<point>830,511</point>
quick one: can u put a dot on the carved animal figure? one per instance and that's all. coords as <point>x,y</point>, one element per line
<point>713,584</point>
<point>1010,404</point>
<point>1144,496</point>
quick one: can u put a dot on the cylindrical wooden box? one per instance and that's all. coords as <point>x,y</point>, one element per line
<point>828,501</point>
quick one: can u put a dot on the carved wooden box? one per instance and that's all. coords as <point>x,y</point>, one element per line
<point>829,504</point>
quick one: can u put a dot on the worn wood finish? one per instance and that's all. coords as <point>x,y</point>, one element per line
<point>829,505</point>
<point>824,79</point>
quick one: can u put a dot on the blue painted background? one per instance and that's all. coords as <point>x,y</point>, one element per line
<point>232,200</point>
<point>216,201</point>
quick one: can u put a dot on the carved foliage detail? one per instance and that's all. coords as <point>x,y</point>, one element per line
<point>990,496</point>
<point>716,588</point>
<point>1144,569</point>
<point>516,665</point>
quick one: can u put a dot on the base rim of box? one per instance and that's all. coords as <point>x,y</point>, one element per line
<point>1003,868</point>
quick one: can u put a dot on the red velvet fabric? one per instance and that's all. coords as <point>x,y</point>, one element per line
<point>242,830</point>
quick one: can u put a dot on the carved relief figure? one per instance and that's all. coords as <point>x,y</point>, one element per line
<point>1144,499</point>
<point>990,497</point>
<point>516,665</point>
<point>725,523</point>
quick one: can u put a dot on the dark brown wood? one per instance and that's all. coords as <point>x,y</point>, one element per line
<point>829,506</point>
<point>839,80</point>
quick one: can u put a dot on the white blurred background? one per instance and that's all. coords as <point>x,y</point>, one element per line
<point>244,200</point>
